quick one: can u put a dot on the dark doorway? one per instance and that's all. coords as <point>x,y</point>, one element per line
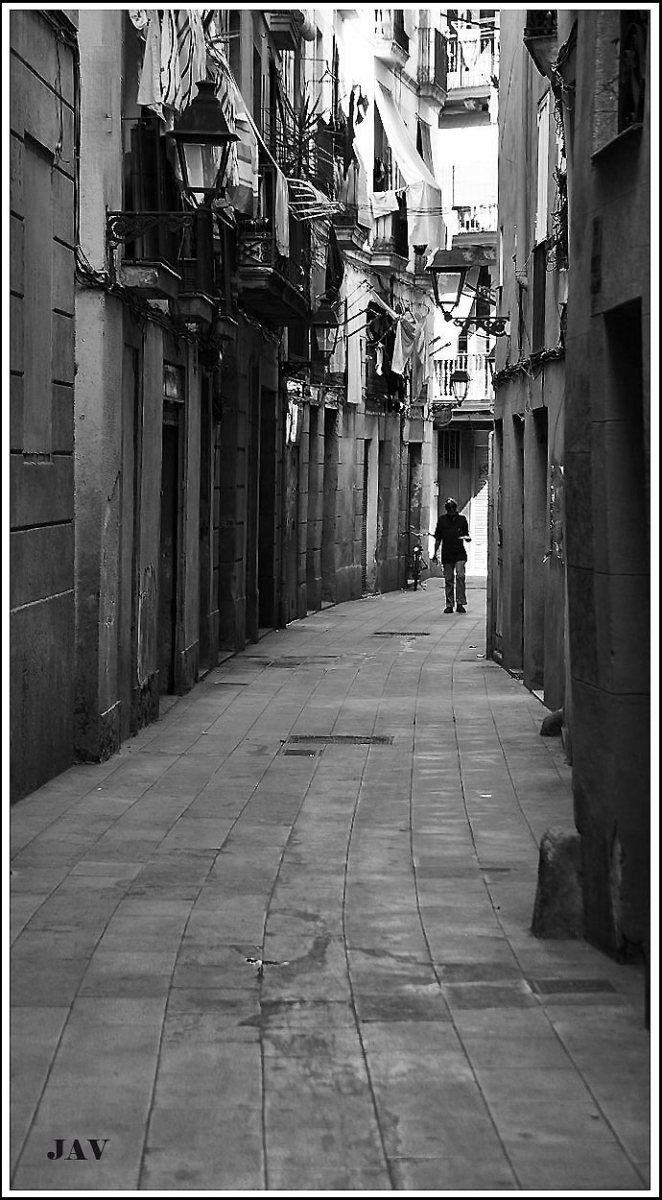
<point>268,532</point>
<point>536,504</point>
<point>312,525</point>
<point>130,533</point>
<point>205,543</point>
<point>330,504</point>
<point>169,548</point>
<point>364,517</point>
<point>515,552</point>
<point>252,506</point>
<point>415,486</point>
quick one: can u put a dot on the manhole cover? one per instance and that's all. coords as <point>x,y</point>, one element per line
<point>548,987</point>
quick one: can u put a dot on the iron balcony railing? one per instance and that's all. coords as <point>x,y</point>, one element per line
<point>432,59</point>
<point>472,62</point>
<point>257,248</point>
<point>480,379</point>
<point>182,240</point>
<point>256,241</point>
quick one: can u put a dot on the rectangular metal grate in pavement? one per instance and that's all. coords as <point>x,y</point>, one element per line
<point>338,739</point>
<point>400,633</point>
<point>549,987</point>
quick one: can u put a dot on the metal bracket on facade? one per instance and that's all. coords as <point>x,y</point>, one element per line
<point>128,226</point>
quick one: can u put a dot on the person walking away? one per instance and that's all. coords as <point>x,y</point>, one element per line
<point>451,533</point>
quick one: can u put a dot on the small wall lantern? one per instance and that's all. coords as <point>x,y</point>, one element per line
<point>460,384</point>
<point>324,325</point>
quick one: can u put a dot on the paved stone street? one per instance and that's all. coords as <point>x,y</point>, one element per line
<point>281,940</point>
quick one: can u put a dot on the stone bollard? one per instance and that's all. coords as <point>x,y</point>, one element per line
<point>552,725</point>
<point>558,910</point>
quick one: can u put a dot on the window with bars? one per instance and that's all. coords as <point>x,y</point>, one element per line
<point>449,449</point>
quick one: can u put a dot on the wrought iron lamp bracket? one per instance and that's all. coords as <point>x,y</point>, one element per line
<point>492,326</point>
<point>124,227</point>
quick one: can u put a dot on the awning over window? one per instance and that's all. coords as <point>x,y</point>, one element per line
<point>424,219</point>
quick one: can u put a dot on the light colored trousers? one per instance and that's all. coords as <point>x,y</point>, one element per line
<point>451,570</point>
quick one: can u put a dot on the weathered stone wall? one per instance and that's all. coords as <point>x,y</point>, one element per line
<point>526,600</point>
<point>607,465</point>
<point>42,203</point>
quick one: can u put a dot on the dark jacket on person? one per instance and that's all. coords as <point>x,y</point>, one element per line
<point>449,531</point>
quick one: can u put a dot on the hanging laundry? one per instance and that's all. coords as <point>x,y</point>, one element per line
<point>403,345</point>
<point>420,365</point>
<point>282,216</point>
<point>379,360</point>
<point>383,203</point>
<point>469,39</point>
<point>242,194</point>
<point>364,211</point>
<point>348,145</point>
<point>183,56</point>
<point>424,202</point>
<point>362,105</point>
<point>220,69</point>
<point>149,87</point>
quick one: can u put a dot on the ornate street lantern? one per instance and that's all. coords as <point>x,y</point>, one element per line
<point>203,139</point>
<point>447,283</point>
<point>324,325</point>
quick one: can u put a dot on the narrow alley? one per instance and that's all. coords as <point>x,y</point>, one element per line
<point>281,940</point>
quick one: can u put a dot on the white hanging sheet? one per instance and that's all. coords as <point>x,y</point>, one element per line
<point>424,219</point>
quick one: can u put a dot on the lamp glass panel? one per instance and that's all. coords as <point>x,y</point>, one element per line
<point>202,166</point>
<point>449,284</point>
<point>325,337</point>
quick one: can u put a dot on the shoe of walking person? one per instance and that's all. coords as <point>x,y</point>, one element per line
<point>446,610</point>
<point>460,608</point>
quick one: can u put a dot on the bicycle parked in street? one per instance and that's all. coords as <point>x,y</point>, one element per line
<point>416,563</point>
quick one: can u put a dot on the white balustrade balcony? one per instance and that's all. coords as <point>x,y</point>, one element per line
<point>472,61</point>
<point>480,379</point>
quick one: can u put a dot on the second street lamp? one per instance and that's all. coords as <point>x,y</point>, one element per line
<point>448,280</point>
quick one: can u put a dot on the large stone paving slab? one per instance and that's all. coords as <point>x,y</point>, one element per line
<point>249,969</point>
